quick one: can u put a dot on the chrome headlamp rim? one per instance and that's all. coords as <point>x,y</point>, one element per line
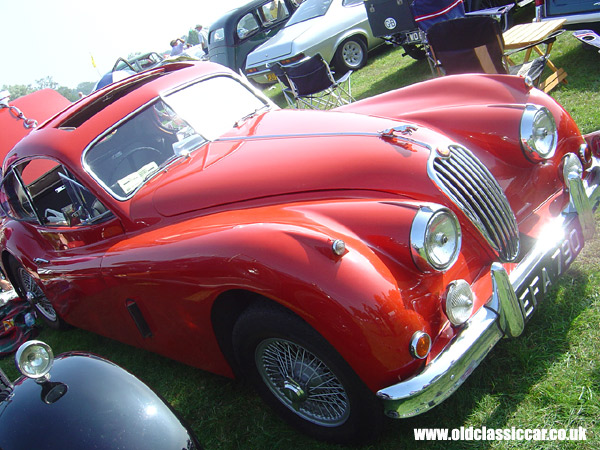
<point>531,132</point>
<point>24,356</point>
<point>420,233</point>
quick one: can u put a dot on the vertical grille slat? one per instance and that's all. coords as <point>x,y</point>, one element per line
<point>6,386</point>
<point>472,187</point>
<point>471,204</point>
<point>503,207</point>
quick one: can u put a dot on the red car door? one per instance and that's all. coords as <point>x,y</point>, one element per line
<point>65,233</point>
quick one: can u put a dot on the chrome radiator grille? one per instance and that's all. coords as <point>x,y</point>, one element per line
<point>472,187</point>
<point>5,386</point>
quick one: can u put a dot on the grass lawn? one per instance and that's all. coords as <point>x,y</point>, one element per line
<point>547,378</point>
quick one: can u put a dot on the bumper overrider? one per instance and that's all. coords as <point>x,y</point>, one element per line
<point>513,300</point>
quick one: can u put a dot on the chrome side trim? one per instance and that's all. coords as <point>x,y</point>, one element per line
<point>326,134</point>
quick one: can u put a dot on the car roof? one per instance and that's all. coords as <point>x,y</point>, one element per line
<point>91,116</point>
<point>231,17</point>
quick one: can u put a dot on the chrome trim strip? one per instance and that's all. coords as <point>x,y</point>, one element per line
<point>335,134</point>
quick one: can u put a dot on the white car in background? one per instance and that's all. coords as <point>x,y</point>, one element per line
<point>338,30</point>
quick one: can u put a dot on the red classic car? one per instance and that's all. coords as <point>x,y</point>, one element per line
<point>349,263</point>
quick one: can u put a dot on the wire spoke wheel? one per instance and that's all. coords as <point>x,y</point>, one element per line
<point>35,296</point>
<point>302,382</point>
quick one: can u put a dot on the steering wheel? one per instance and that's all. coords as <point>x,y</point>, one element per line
<point>147,150</point>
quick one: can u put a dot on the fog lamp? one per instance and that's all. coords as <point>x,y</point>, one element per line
<point>420,344</point>
<point>571,165</point>
<point>34,360</point>
<point>459,302</point>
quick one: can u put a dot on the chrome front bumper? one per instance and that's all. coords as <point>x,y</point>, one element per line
<point>513,300</point>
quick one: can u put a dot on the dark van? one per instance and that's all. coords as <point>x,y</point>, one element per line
<point>574,11</point>
<point>241,30</point>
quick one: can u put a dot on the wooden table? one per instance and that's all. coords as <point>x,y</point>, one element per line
<point>529,33</point>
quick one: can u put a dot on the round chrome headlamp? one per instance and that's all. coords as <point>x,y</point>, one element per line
<point>539,136</point>
<point>34,359</point>
<point>459,302</point>
<point>435,238</point>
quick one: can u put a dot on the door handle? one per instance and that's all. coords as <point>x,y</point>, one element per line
<point>40,261</point>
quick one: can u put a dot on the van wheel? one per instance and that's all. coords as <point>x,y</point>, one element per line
<point>351,54</point>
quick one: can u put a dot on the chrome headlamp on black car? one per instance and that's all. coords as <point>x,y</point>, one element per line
<point>88,402</point>
<point>539,135</point>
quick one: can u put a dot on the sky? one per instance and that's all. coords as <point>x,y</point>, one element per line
<point>61,38</point>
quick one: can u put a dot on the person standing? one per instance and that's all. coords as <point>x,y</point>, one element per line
<point>202,38</point>
<point>176,47</point>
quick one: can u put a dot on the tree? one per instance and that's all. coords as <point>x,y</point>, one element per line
<point>86,87</point>
<point>46,82</point>
<point>68,93</point>
<point>19,90</point>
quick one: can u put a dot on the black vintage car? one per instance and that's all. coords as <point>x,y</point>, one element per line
<point>574,11</point>
<point>81,401</point>
<point>239,31</point>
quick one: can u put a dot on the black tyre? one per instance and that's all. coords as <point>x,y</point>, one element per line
<point>415,51</point>
<point>351,54</point>
<point>29,290</point>
<point>300,375</point>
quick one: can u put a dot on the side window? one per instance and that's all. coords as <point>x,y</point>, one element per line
<point>352,2</point>
<point>246,26</point>
<point>15,201</point>
<point>43,190</point>
<point>272,12</point>
<point>216,36</point>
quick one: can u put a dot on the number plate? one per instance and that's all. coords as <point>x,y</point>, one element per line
<point>549,268</point>
<point>413,36</point>
<point>271,76</point>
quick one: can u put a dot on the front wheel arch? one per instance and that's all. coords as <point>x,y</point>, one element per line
<point>19,277</point>
<point>266,324</point>
<point>351,54</point>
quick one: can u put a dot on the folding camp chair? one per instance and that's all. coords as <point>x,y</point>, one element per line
<point>475,45</point>
<point>310,84</point>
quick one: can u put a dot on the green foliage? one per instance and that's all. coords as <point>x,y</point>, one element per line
<point>19,90</point>
<point>46,83</point>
